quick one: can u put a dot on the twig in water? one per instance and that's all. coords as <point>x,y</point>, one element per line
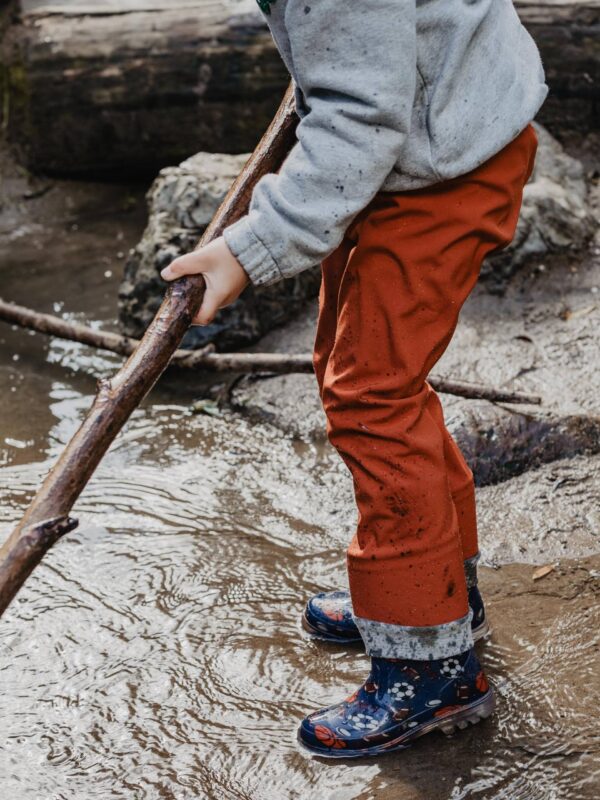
<point>207,359</point>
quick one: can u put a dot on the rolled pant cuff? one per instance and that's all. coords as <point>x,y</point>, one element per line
<point>471,570</point>
<point>418,643</point>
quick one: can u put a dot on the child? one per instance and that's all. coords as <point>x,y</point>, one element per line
<point>413,149</point>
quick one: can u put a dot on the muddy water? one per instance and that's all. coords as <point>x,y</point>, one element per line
<point>157,652</point>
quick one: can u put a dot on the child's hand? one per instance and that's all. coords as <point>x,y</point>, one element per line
<point>225,278</point>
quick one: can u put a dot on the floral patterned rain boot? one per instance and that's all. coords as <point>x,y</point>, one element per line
<point>400,701</point>
<point>328,616</point>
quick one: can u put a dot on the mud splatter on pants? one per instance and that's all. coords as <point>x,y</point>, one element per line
<point>390,299</point>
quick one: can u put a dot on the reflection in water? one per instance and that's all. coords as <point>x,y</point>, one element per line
<point>157,653</point>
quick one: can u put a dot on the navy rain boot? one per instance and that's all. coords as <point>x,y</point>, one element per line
<point>400,701</point>
<point>328,616</point>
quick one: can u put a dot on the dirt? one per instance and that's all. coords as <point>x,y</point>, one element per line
<point>158,653</point>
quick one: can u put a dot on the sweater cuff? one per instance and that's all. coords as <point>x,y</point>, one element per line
<point>252,254</point>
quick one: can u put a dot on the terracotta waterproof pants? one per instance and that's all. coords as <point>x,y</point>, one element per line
<point>390,300</point>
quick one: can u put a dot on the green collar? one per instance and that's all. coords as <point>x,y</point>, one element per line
<point>265,5</point>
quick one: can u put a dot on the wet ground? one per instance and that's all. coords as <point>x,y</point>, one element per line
<point>157,652</point>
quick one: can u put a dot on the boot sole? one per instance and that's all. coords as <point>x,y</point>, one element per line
<point>460,719</point>
<point>479,632</point>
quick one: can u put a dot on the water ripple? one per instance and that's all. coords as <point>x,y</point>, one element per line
<point>157,652</point>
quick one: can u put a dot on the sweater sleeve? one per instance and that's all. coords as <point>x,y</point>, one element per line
<point>355,64</point>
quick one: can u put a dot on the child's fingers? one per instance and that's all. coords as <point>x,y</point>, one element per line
<point>189,264</point>
<point>208,309</point>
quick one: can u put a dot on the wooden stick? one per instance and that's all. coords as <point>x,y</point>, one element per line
<point>75,332</point>
<point>119,397</point>
<point>206,359</point>
<point>29,549</point>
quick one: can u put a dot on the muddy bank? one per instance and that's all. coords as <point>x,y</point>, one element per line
<point>544,514</point>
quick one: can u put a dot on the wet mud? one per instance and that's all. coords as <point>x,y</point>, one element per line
<point>158,653</point>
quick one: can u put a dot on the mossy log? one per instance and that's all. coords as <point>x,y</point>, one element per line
<point>130,86</point>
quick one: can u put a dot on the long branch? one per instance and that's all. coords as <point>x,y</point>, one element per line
<point>280,363</point>
<point>119,397</point>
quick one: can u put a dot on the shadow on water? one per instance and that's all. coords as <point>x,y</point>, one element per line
<point>157,652</point>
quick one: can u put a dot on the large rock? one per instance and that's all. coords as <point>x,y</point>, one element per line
<point>182,202</point>
<point>555,215</point>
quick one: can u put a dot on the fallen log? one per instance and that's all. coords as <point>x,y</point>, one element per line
<point>567,33</point>
<point>75,332</point>
<point>118,397</point>
<point>206,359</point>
<point>113,88</point>
<point>121,87</point>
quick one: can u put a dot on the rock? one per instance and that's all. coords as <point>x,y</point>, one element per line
<point>182,202</point>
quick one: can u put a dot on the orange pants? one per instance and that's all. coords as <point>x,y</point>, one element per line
<point>389,303</point>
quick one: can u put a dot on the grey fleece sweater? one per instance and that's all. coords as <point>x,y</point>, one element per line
<point>393,95</point>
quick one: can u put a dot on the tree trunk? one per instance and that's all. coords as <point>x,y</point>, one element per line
<point>123,87</point>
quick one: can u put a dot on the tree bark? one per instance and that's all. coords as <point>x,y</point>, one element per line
<point>128,87</point>
<point>567,33</point>
<point>113,89</point>
<point>117,398</point>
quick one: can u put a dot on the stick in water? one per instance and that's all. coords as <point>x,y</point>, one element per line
<point>119,397</point>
